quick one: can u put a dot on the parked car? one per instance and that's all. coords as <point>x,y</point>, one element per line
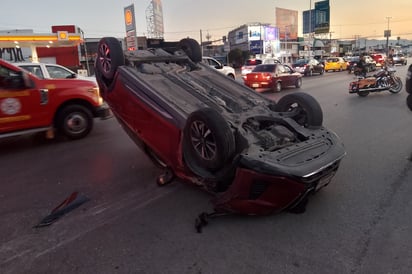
<point>256,156</point>
<point>52,71</point>
<point>29,104</point>
<point>308,67</point>
<point>399,58</point>
<point>250,64</point>
<point>226,70</point>
<point>273,77</point>
<point>335,64</point>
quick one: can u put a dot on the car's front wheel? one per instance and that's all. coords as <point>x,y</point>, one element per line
<point>302,108</point>
<point>75,121</point>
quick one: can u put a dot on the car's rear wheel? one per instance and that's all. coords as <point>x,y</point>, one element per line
<point>109,57</point>
<point>192,49</point>
<point>278,86</point>
<point>208,142</point>
<point>303,108</point>
<point>75,121</point>
<point>298,82</point>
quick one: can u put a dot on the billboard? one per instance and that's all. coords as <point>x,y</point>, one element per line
<point>130,24</point>
<point>308,21</point>
<point>287,22</point>
<point>158,28</point>
<point>322,17</point>
<point>255,33</point>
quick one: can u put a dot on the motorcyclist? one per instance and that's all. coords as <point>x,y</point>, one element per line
<point>361,66</point>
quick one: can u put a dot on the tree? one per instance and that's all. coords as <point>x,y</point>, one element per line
<point>237,57</point>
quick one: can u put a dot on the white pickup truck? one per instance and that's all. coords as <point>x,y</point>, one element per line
<point>52,71</point>
<point>226,70</point>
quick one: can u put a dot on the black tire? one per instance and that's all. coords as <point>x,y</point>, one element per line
<point>278,87</point>
<point>363,93</point>
<point>298,83</point>
<point>397,86</point>
<point>109,57</point>
<point>75,121</point>
<point>408,80</point>
<point>192,49</point>
<point>303,108</point>
<point>208,142</point>
<point>409,102</point>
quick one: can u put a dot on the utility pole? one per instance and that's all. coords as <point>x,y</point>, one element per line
<point>387,33</point>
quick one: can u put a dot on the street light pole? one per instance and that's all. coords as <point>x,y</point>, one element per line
<point>387,34</point>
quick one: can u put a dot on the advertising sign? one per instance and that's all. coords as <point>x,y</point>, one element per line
<point>255,33</point>
<point>129,20</point>
<point>322,17</point>
<point>158,27</point>
<point>287,22</point>
<point>256,47</point>
<point>308,21</point>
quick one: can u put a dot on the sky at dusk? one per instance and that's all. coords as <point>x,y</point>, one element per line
<point>185,18</point>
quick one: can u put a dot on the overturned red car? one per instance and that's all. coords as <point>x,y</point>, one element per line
<point>255,155</point>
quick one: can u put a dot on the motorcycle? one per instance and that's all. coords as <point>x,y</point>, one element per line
<point>385,79</point>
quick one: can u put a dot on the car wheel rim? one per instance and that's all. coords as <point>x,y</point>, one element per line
<point>104,58</point>
<point>76,123</point>
<point>203,140</point>
<point>299,114</point>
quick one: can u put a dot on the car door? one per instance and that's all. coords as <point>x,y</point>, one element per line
<point>56,72</point>
<point>21,104</point>
<point>285,73</point>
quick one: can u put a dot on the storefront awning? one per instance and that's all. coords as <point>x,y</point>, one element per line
<point>59,39</point>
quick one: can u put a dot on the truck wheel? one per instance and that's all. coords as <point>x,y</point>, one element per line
<point>75,121</point>
<point>192,49</point>
<point>109,57</point>
<point>302,108</point>
<point>208,142</point>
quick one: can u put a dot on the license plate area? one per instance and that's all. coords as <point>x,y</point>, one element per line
<point>324,181</point>
<point>255,85</point>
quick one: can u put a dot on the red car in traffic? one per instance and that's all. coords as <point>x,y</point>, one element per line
<point>273,77</point>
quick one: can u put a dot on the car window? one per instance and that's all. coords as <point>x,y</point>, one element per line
<point>301,62</point>
<point>58,72</point>
<point>281,69</point>
<point>253,62</point>
<point>10,79</point>
<point>287,69</point>
<point>314,62</point>
<point>264,68</point>
<point>36,70</point>
<point>270,61</point>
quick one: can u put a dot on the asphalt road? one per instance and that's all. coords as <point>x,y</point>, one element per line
<point>360,223</point>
